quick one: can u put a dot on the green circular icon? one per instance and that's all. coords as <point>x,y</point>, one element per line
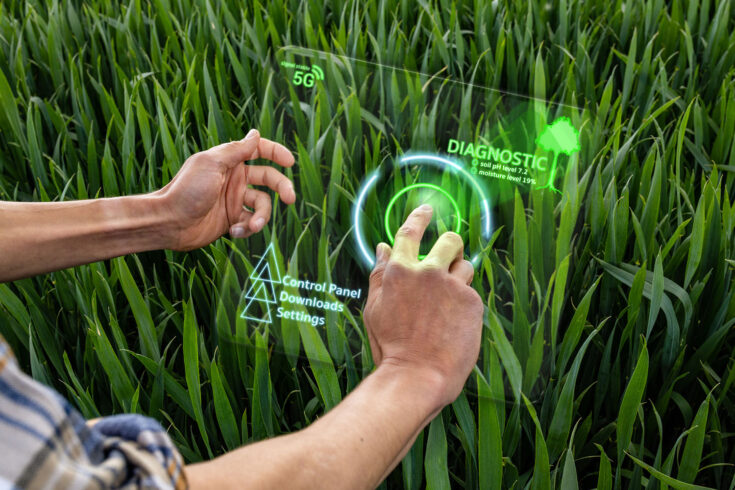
<point>458,222</point>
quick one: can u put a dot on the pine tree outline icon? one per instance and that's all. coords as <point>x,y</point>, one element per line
<point>261,289</point>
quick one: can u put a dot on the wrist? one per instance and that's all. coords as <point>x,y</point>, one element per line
<point>138,222</point>
<point>158,223</point>
<point>424,385</point>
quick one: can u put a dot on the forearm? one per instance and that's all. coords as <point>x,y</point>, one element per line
<point>352,446</point>
<point>402,454</point>
<point>44,237</point>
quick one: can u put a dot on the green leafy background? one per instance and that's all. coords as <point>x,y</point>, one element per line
<point>606,356</point>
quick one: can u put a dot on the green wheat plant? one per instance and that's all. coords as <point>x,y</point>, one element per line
<point>607,352</point>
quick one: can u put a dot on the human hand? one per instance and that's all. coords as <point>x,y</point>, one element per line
<point>422,316</point>
<point>205,198</point>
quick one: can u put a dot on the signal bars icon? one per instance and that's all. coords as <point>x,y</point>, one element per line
<point>318,72</point>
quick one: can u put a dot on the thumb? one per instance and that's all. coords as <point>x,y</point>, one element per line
<point>382,256</point>
<point>236,152</point>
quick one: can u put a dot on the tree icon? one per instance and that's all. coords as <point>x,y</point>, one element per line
<point>558,137</point>
<point>261,290</point>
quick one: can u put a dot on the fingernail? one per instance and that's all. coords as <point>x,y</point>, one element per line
<point>237,231</point>
<point>425,207</point>
<point>251,134</point>
<point>259,222</point>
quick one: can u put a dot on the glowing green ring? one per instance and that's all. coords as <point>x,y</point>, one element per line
<point>414,186</point>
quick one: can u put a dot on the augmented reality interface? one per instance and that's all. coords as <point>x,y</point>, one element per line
<point>373,142</point>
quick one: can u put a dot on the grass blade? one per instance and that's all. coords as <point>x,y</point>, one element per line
<point>631,400</point>
<point>191,367</point>
<point>437,472</point>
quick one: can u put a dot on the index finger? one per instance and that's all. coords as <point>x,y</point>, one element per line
<point>275,152</point>
<point>408,236</point>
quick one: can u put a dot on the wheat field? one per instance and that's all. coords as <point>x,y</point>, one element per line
<point>607,354</point>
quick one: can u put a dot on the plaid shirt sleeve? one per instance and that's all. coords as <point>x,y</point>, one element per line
<point>46,443</point>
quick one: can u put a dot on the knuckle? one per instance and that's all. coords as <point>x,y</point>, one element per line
<point>456,282</point>
<point>430,264</point>
<point>395,271</point>
<point>406,230</point>
<point>390,267</point>
<point>283,183</point>
<point>377,273</point>
<point>434,274</point>
<point>264,201</point>
<point>386,271</point>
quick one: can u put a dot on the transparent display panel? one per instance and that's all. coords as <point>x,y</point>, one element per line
<point>372,142</point>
